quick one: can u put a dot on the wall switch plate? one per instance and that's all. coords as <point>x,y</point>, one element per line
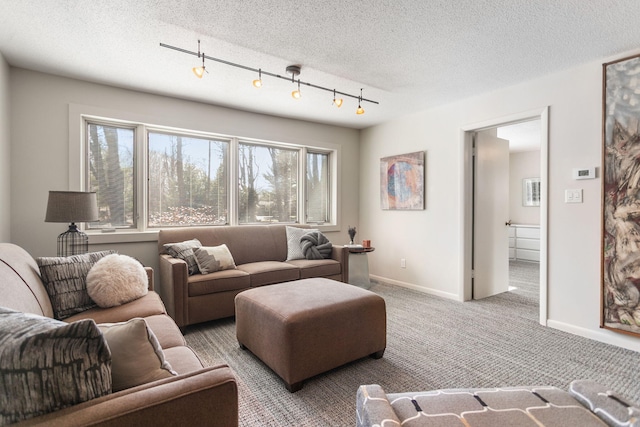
<point>573,196</point>
<point>403,263</point>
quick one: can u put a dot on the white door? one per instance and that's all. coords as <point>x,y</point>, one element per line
<point>491,213</point>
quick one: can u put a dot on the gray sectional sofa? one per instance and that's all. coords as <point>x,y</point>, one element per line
<point>260,256</point>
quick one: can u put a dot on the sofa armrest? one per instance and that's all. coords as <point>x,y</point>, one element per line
<point>208,397</point>
<point>373,408</point>
<point>340,253</point>
<point>174,288</point>
<point>149,271</point>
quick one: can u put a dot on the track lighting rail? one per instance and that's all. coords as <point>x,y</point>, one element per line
<point>267,73</point>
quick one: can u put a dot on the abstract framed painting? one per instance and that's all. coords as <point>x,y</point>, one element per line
<point>402,182</point>
<point>620,293</point>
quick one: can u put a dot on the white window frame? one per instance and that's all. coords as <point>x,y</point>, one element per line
<point>79,115</point>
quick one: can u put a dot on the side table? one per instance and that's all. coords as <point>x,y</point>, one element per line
<point>359,267</point>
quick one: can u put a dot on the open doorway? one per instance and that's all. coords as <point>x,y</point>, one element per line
<point>472,243</point>
<point>524,208</point>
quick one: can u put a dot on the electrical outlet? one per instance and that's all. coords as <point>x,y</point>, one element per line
<point>403,263</point>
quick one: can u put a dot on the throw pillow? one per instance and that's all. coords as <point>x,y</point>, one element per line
<point>315,245</point>
<point>117,279</point>
<point>214,258</point>
<point>294,249</point>
<point>136,355</point>
<point>47,365</point>
<point>184,251</point>
<point>65,281</point>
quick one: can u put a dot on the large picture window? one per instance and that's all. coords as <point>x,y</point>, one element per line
<point>187,180</point>
<point>150,177</point>
<point>267,184</point>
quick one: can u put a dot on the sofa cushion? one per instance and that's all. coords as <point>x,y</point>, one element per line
<point>508,406</point>
<point>269,272</point>
<point>183,359</point>
<point>214,258</point>
<point>184,251</point>
<point>220,281</point>
<point>166,331</point>
<point>136,355</point>
<point>148,305</point>
<point>606,404</point>
<point>65,279</point>
<point>117,279</point>
<point>47,365</point>
<point>294,247</point>
<point>317,268</point>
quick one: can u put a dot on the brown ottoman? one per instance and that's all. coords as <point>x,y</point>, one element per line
<point>307,327</point>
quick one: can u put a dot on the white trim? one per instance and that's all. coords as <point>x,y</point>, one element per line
<point>601,335</point>
<point>415,287</point>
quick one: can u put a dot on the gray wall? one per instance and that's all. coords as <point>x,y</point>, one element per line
<point>5,153</point>
<point>41,137</point>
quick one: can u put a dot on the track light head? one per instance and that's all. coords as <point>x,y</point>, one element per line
<point>360,110</point>
<point>257,83</point>
<point>296,93</point>
<point>337,102</point>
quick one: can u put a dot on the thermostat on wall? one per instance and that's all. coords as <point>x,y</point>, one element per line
<point>584,173</point>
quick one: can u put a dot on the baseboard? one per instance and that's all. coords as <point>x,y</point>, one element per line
<point>415,287</point>
<point>602,335</point>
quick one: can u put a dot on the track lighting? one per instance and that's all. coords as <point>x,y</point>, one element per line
<point>360,110</point>
<point>293,70</point>
<point>199,71</point>
<point>337,102</point>
<point>296,93</point>
<point>258,82</point>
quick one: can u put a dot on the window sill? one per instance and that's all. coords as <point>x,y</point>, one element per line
<point>122,237</point>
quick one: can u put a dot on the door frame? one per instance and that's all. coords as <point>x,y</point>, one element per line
<point>466,191</point>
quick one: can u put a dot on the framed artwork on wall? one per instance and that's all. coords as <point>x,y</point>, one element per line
<point>620,293</point>
<point>531,192</point>
<point>402,182</point>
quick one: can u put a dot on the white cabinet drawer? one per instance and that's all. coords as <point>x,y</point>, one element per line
<point>528,232</point>
<point>512,242</point>
<point>528,255</point>
<point>512,232</point>
<point>529,244</point>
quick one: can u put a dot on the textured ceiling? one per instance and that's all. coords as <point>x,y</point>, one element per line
<point>407,54</point>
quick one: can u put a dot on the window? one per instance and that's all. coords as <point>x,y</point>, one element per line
<point>149,177</point>
<point>187,180</point>
<point>267,184</point>
<point>111,174</point>
<point>318,200</point>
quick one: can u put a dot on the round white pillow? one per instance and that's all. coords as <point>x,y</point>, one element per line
<point>116,279</point>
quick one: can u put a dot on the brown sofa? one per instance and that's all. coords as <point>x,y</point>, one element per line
<point>259,252</point>
<point>197,396</point>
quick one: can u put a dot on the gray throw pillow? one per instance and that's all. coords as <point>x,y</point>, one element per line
<point>65,279</point>
<point>184,251</point>
<point>294,248</point>
<point>47,365</point>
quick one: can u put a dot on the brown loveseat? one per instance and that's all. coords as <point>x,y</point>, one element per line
<point>197,396</point>
<point>260,254</point>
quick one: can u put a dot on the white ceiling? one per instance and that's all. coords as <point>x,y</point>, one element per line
<point>407,54</point>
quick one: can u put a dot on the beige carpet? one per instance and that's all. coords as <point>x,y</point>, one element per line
<point>432,343</point>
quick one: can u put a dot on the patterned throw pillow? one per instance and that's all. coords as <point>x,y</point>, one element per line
<point>47,365</point>
<point>137,357</point>
<point>606,404</point>
<point>184,251</point>
<point>65,279</point>
<point>214,258</point>
<point>294,248</point>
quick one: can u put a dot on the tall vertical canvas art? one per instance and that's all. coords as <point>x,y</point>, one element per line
<point>621,197</point>
<point>402,182</point>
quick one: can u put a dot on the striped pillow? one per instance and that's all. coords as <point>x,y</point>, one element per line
<point>47,365</point>
<point>65,279</point>
<point>184,251</point>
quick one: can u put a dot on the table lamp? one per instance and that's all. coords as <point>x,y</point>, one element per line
<point>72,207</point>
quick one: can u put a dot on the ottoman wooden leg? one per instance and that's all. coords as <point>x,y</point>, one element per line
<point>378,354</point>
<point>294,387</point>
<point>242,347</point>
